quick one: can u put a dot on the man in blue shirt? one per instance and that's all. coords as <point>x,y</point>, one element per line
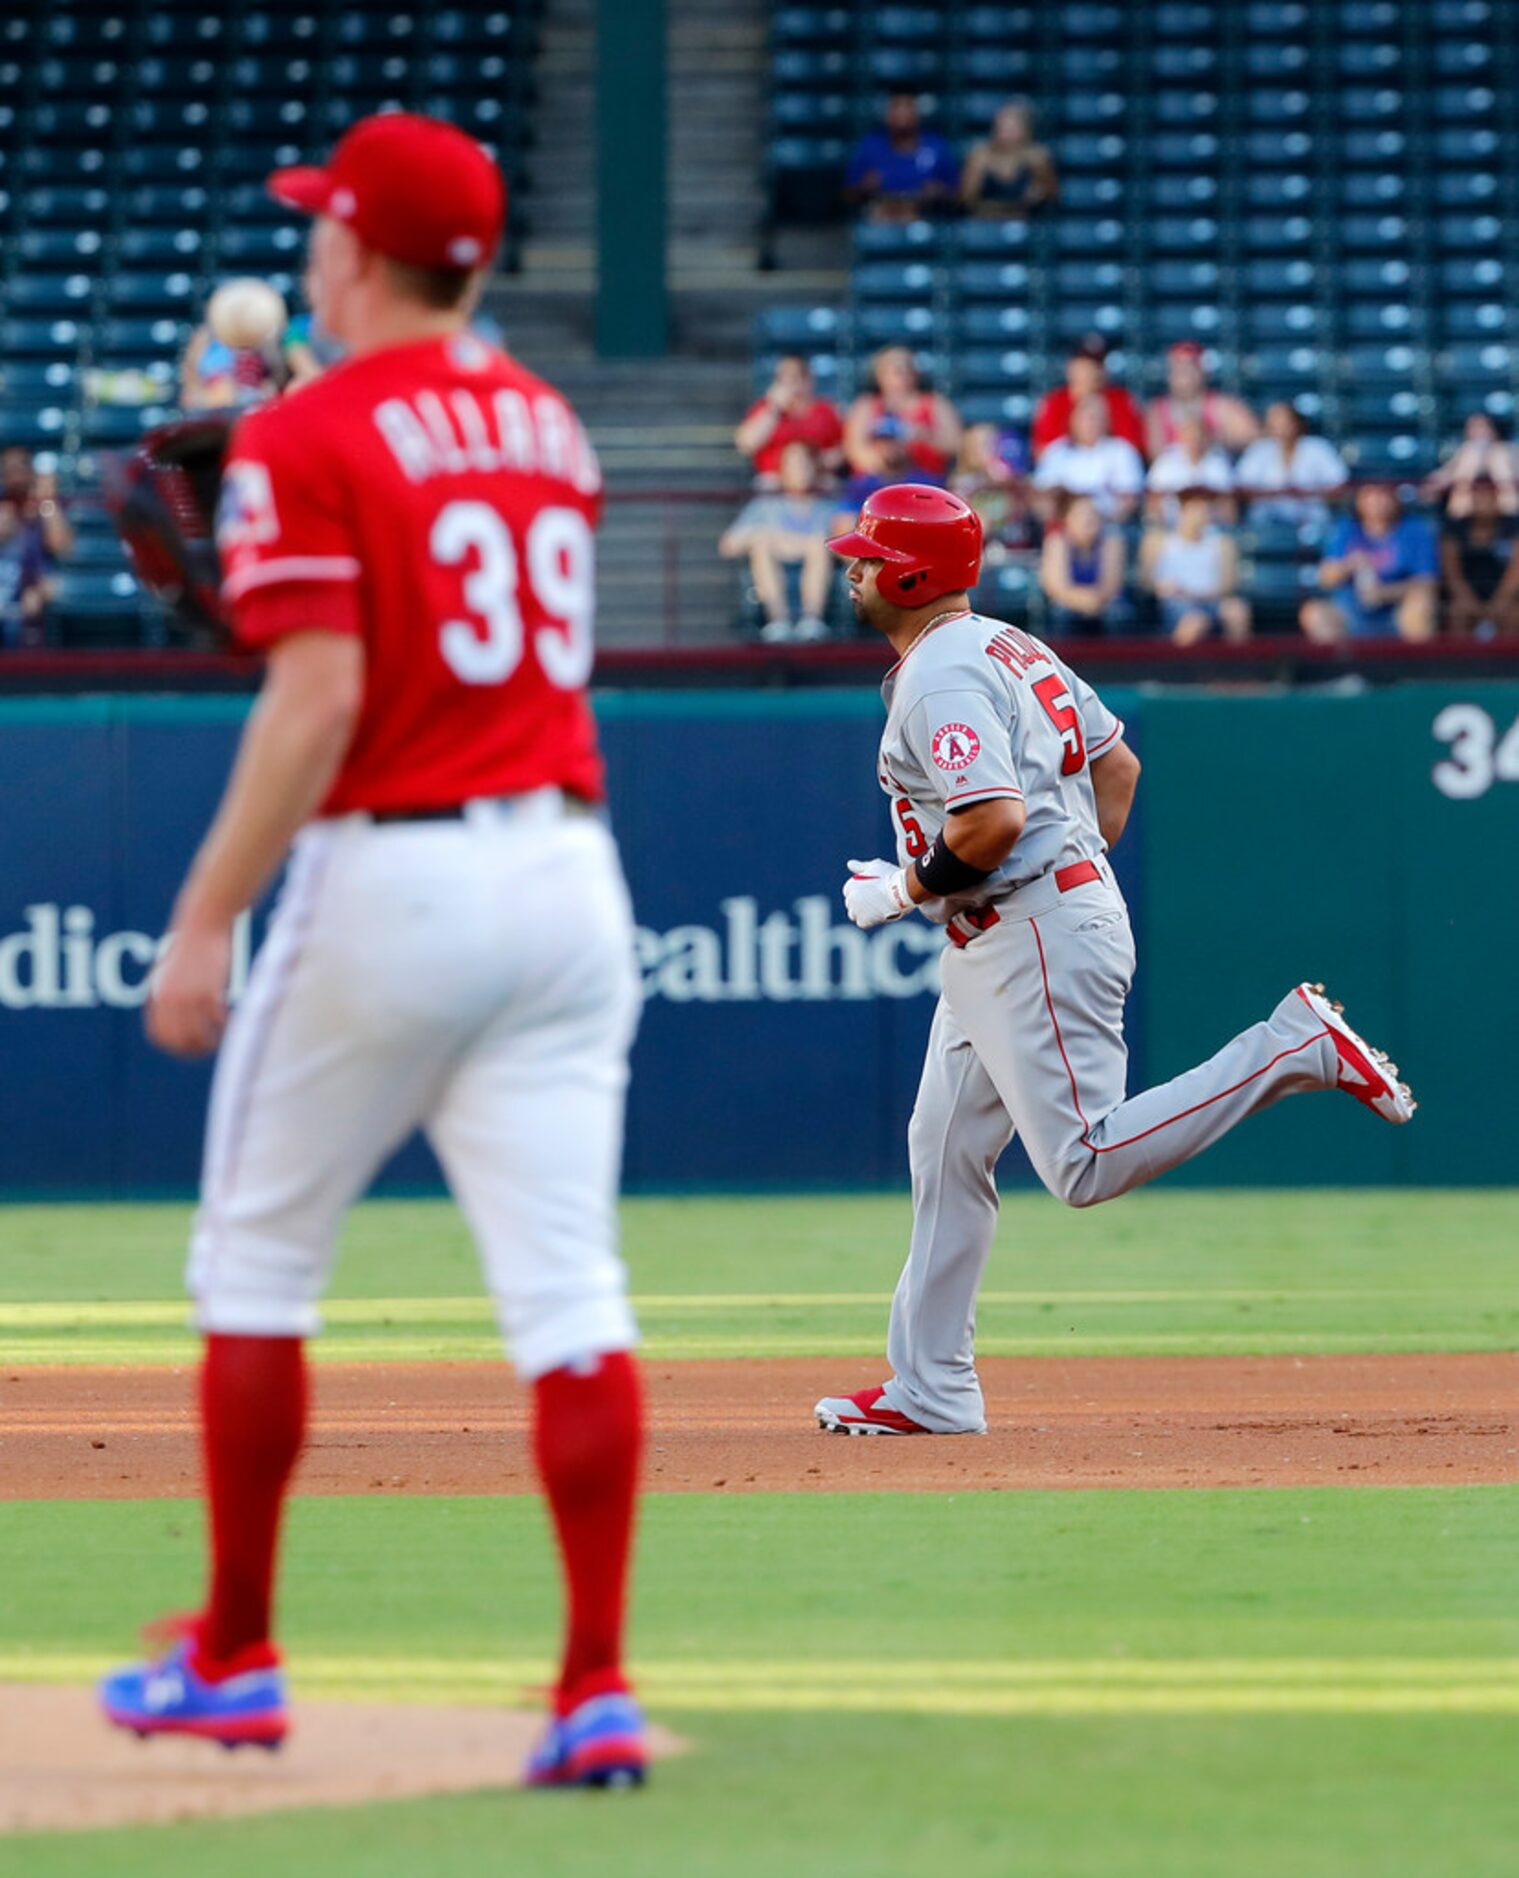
<point>1382,569</point>
<point>23,580</point>
<point>901,171</point>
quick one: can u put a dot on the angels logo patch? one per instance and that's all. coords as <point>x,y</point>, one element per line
<point>956,746</point>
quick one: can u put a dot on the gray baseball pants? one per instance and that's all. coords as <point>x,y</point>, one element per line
<point>1028,1038</point>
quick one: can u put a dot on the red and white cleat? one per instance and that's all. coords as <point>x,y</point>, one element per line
<point>864,1414</point>
<point>1365,1073</point>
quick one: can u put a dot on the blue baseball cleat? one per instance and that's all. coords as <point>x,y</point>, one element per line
<point>600,1743</point>
<point>170,1697</point>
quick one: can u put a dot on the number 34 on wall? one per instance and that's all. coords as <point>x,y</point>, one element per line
<point>1478,757</point>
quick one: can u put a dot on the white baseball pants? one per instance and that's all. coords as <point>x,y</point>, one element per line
<point>1028,1037</point>
<point>474,978</point>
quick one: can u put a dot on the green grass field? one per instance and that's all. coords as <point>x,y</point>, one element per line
<point>1224,1684</point>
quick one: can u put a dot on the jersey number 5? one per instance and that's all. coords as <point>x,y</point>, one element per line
<point>487,649</point>
<point>1060,709</point>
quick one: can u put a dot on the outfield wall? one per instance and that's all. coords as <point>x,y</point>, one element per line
<point>1369,840</point>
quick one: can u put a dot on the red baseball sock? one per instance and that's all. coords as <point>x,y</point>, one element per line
<point>588,1439</point>
<point>253,1418</point>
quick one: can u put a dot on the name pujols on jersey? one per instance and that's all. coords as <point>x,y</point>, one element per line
<point>449,433</point>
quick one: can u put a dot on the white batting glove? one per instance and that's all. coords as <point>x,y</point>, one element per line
<point>876,892</point>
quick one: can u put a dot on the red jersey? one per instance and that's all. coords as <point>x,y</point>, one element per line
<point>1053,418</point>
<point>819,427</point>
<point>437,501</point>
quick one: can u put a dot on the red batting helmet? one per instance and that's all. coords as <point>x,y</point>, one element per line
<point>928,541</point>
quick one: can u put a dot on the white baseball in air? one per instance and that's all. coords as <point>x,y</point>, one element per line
<point>246,313</point>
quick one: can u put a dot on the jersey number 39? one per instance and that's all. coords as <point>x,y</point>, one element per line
<point>1060,709</point>
<point>488,648</point>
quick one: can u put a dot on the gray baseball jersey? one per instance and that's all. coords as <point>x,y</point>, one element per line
<point>978,709</point>
<point>1029,1031</point>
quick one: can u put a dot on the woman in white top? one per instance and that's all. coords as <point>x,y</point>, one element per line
<point>1190,462</point>
<point>1288,458</point>
<point>1193,571</point>
<point>1091,462</point>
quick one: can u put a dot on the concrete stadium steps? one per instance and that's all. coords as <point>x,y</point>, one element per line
<point>666,424</point>
<point>715,99</point>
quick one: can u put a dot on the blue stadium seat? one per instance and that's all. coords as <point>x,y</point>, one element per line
<point>791,328</point>
<point>899,240</point>
<point>896,325</point>
<point>999,23</point>
<point>992,325</point>
<point>810,26</point>
<point>168,247</point>
<point>29,336</point>
<point>53,294</point>
<point>70,248</point>
<point>173,77</point>
<point>36,427</point>
<point>114,425</point>
<point>896,280</point>
<point>1371,363</point>
<point>150,293</point>
<point>992,280</point>
<point>1483,276</point>
<point>1479,320</point>
<point>1371,190</point>
<point>1001,369</point>
<point>139,341</point>
<point>990,239</point>
<point>37,382</point>
<point>1279,278</point>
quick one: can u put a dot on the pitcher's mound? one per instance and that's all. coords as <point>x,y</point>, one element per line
<point>64,1769</point>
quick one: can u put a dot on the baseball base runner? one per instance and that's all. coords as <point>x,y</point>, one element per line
<point>410,538</point>
<point>1009,781</point>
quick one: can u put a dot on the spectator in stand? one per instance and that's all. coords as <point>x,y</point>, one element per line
<point>23,581</point>
<point>1082,569</point>
<point>217,377</point>
<point>990,474</point>
<point>1287,457</point>
<point>930,424</point>
<point>892,457</point>
<point>790,412</point>
<point>1226,421</point>
<point>1190,461</point>
<point>1481,567</point>
<point>1086,376</point>
<point>1382,568</point>
<point>1481,454</point>
<point>1092,463</point>
<point>784,534</point>
<point>33,494</point>
<point>310,349</point>
<point>900,172</point>
<point>1192,568</point>
<point>1008,174</point>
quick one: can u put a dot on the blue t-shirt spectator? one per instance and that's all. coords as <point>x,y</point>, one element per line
<point>901,167</point>
<point>902,172</point>
<point>1408,551</point>
<point>23,575</point>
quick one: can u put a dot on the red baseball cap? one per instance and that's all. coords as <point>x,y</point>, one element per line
<point>411,187</point>
<point>1185,349</point>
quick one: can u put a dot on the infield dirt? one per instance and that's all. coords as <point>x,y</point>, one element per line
<point>1149,1422</point>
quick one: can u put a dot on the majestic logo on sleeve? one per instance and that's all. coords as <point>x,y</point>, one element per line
<point>956,746</point>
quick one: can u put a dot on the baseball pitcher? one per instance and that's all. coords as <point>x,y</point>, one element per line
<point>1009,782</point>
<point>409,538</point>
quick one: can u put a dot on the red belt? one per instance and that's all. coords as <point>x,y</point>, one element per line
<point>982,918</point>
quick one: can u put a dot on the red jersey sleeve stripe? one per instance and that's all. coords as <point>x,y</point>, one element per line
<point>290,567</point>
<point>1112,737</point>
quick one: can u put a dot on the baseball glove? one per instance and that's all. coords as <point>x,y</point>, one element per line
<point>163,498</point>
